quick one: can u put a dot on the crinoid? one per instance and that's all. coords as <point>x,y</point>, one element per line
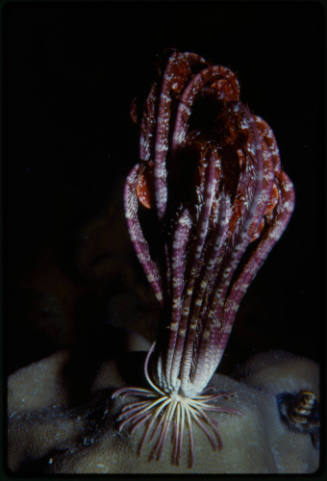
<point>204,206</point>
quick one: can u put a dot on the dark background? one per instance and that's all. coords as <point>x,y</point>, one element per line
<point>70,73</point>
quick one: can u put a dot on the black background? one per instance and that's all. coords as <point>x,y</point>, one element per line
<point>70,73</point>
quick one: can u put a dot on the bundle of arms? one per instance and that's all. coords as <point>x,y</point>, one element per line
<point>204,205</point>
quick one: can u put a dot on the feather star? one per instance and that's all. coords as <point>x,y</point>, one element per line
<point>204,206</point>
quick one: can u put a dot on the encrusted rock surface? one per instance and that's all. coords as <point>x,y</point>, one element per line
<point>51,430</point>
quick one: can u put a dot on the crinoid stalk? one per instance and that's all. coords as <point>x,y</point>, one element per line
<point>210,185</point>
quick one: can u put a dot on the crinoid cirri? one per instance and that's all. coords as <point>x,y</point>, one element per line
<point>204,206</point>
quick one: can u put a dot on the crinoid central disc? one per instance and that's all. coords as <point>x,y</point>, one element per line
<point>174,396</point>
